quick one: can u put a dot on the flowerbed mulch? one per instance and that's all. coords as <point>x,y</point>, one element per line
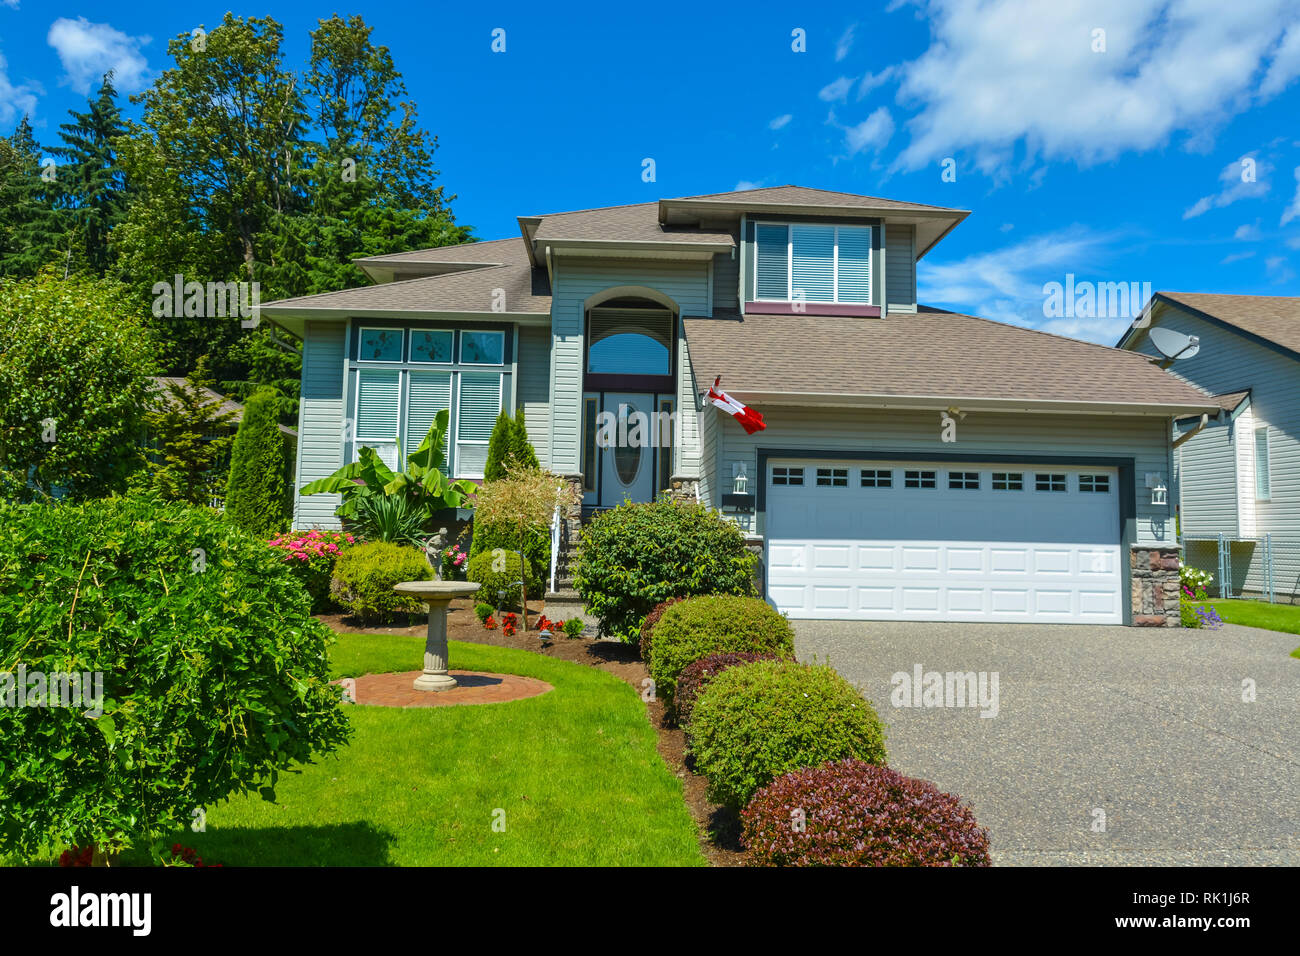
<point>719,827</point>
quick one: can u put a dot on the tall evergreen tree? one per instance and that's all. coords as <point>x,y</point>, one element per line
<point>257,489</point>
<point>90,179</point>
<point>500,446</point>
<point>521,449</point>
<point>31,225</point>
<point>189,430</point>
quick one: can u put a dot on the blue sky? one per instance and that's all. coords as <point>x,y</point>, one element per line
<point>1115,156</point>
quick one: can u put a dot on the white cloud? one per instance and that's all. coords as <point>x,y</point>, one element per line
<point>781,121</point>
<point>1235,187</point>
<point>1236,257</point>
<point>1006,227</point>
<point>11,3</point>
<point>1293,242</point>
<point>746,184</point>
<point>1278,269</point>
<point>16,100</point>
<point>845,43</point>
<point>1247,232</point>
<point>1293,211</point>
<point>89,50</point>
<point>1004,74</point>
<point>837,90</point>
<point>873,80</point>
<point>872,133</point>
<point>1285,65</point>
<point>1007,284</point>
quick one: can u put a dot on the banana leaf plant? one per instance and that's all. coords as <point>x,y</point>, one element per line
<point>422,487</point>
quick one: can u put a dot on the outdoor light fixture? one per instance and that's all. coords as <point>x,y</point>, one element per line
<point>1160,495</point>
<point>740,482</point>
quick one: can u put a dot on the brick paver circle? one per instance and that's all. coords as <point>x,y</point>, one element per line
<point>475,687</point>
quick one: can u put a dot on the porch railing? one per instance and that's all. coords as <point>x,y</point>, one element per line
<point>555,544</point>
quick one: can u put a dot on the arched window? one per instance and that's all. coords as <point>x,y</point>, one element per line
<point>627,339</point>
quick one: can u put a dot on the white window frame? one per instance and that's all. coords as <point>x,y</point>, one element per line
<point>1268,463</point>
<point>363,329</point>
<point>460,349</point>
<point>835,262</point>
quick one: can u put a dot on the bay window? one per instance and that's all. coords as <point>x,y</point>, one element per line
<point>816,263</point>
<point>399,389</point>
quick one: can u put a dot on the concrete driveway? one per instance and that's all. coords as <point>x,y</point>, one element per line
<point>1147,727</point>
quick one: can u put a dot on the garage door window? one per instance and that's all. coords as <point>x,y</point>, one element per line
<point>919,479</point>
<point>877,478</point>
<point>968,480</point>
<point>1008,481</point>
<point>787,476</point>
<point>833,477</point>
<point>1099,484</point>
<point>1049,482</point>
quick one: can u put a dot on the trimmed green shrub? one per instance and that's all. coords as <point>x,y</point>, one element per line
<point>364,577</point>
<point>214,676</point>
<point>499,447</point>
<point>857,814</point>
<point>482,611</point>
<point>699,674</point>
<point>506,579</point>
<point>258,489</point>
<point>490,536</point>
<point>648,627</point>
<point>521,449</point>
<point>637,555</point>
<point>757,721</point>
<point>715,624</point>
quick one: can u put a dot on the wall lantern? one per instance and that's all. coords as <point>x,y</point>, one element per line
<point>1160,495</point>
<point>739,481</point>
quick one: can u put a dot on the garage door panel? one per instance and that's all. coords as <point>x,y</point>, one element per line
<point>944,553</point>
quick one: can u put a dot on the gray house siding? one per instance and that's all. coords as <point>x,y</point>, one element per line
<point>1146,440</point>
<point>320,421</point>
<point>579,279</point>
<point>534,387</point>
<point>1207,482</point>
<point>900,268</point>
<point>1229,362</point>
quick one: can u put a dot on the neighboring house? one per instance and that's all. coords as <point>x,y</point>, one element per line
<point>220,405</point>
<point>1240,475</point>
<point>865,497</point>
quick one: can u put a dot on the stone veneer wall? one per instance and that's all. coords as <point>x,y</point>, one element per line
<point>683,488</point>
<point>1155,585</point>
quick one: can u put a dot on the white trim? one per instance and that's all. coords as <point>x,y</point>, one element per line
<point>410,347</point>
<point>1268,462</point>
<point>835,260</point>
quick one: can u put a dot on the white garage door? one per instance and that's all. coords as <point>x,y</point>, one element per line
<point>927,541</point>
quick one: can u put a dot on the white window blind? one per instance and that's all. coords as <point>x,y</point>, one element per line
<point>1262,487</point>
<point>854,265</point>
<point>427,394</point>
<point>773,262</point>
<point>812,263</point>
<point>476,414</point>
<point>377,406</point>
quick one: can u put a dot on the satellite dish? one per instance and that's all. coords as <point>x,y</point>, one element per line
<point>1173,345</point>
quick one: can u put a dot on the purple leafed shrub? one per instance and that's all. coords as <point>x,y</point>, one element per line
<point>692,681</point>
<point>851,813</point>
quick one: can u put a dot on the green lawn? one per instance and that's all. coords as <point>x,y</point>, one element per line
<point>1271,617</point>
<point>575,770</point>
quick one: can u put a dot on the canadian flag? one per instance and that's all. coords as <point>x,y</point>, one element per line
<point>749,419</point>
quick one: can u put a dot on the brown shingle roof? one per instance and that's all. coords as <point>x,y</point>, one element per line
<point>1230,400</point>
<point>1272,317</point>
<point>526,290</point>
<point>500,251</point>
<point>933,354</point>
<point>639,223</point>
<point>806,196</point>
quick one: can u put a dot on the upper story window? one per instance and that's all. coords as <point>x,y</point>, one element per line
<point>812,262</point>
<point>630,341</point>
<point>380,345</point>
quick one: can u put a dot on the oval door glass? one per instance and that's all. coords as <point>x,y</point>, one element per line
<point>627,454</point>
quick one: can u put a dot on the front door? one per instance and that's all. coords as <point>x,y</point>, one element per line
<point>627,462</point>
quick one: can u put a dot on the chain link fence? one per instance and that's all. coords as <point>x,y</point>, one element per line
<point>1266,568</point>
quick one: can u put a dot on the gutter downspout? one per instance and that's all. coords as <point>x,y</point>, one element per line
<point>1205,420</point>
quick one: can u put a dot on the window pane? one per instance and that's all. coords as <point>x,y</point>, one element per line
<point>380,345</point>
<point>813,262</point>
<point>482,348</point>
<point>855,264</point>
<point>589,457</point>
<point>630,341</point>
<point>480,403</point>
<point>427,394</point>
<point>377,393</point>
<point>773,265</point>
<point>1262,484</point>
<point>431,345</point>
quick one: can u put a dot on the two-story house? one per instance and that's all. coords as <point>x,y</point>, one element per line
<point>916,464</point>
<point>1238,476</point>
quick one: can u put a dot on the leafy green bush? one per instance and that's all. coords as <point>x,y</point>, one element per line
<point>215,677</point>
<point>648,627</point>
<point>488,536</point>
<point>757,721</point>
<point>637,555</point>
<point>1187,613</point>
<point>1196,581</point>
<point>311,555</point>
<point>699,674</point>
<point>259,489</point>
<point>482,611</point>
<point>505,578</point>
<point>364,577</point>
<point>75,367</point>
<point>716,624</point>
